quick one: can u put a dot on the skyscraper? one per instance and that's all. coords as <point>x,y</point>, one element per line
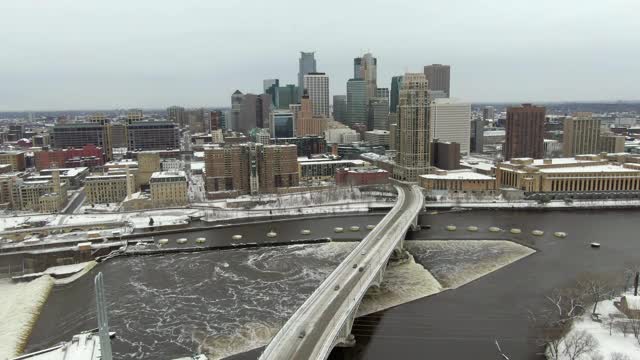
<point>316,85</point>
<point>236,103</point>
<point>378,113</point>
<point>271,86</point>
<point>306,64</point>
<point>382,92</point>
<point>340,108</point>
<point>287,95</point>
<point>357,100</point>
<point>488,113</point>
<point>250,111</point>
<point>581,134</point>
<point>176,114</point>
<point>413,156</point>
<point>525,132</point>
<point>438,76</point>
<point>394,94</point>
<point>365,68</point>
<point>477,136</point>
<point>282,125</point>
<point>305,123</point>
<point>451,122</point>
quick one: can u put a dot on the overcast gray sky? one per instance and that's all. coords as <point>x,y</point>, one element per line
<point>82,54</point>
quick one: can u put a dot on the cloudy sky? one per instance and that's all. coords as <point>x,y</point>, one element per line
<point>84,54</point>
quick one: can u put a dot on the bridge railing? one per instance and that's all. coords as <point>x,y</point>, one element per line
<point>295,327</point>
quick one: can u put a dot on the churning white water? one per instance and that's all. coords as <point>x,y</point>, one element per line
<point>20,305</point>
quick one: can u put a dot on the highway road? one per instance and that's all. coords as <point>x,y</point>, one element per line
<point>76,202</point>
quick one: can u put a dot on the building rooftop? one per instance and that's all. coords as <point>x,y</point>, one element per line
<point>122,163</point>
<point>65,172</point>
<point>458,175</point>
<point>168,174</point>
<point>105,177</point>
<point>378,132</point>
<point>593,168</point>
<point>352,162</point>
<point>495,133</point>
<point>367,170</point>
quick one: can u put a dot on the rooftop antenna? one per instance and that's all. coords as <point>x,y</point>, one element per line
<point>103,323</point>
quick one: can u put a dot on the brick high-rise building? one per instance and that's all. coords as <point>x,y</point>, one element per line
<point>277,167</point>
<point>413,157</point>
<point>439,77</point>
<point>525,132</point>
<point>581,134</point>
<point>251,168</point>
<point>217,120</point>
<point>88,154</point>
<point>304,121</point>
<point>227,169</point>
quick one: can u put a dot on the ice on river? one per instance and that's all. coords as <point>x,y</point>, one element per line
<point>20,304</point>
<point>455,263</point>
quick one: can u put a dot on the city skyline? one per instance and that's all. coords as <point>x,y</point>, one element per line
<point>147,60</point>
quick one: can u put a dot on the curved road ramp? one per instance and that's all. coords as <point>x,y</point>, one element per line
<point>325,319</point>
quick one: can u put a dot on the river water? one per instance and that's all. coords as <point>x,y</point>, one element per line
<point>223,301</point>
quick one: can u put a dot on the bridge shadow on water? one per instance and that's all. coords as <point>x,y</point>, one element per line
<point>363,329</point>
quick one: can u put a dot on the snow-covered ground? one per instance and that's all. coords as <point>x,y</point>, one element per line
<point>138,219</point>
<point>20,305</point>
<point>617,342</point>
<point>98,208</point>
<point>220,214</point>
<point>197,193</point>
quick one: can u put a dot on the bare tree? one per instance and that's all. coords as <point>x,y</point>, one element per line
<point>596,356</point>
<point>624,327</point>
<point>597,287</point>
<point>619,356</point>
<point>579,343</point>
<point>634,324</point>
<point>553,321</point>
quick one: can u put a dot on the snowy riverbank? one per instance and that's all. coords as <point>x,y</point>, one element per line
<point>609,341</point>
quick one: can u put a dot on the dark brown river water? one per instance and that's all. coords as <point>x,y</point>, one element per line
<point>173,305</point>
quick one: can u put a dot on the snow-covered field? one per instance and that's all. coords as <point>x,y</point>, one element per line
<point>617,342</point>
<point>20,305</point>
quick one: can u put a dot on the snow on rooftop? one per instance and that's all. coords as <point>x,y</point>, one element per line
<point>594,168</point>
<point>494,133</point>
<point>458,175</point>
<point>167,174</point>
<point>354,162</point>
<point>633,302</point>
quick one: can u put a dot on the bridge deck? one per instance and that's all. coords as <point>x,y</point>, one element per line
<point>315,328</point>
